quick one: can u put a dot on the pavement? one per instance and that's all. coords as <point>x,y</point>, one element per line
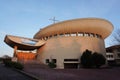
<point>73,74</point>
<point>11,74</point>
<point>41,72</point>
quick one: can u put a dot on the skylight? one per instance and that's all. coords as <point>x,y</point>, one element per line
<point>27,41</point>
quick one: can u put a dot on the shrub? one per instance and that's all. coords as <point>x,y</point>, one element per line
<point>52,64</point>
<point>6,59</point>
<point>16,65</point>
<point>98,59</point>
<point>89,60</point>
<point>86,59</point>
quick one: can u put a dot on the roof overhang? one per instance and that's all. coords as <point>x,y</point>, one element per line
<point>89,25</point>
<point>111,48</point>
<point>23,43</point>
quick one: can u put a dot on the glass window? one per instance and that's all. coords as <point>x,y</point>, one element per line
<point>119,55</point>
<point>28,41</point>
<point>97,35</point>
<point>107,56</point>
<point>111,56</point>
<point>80,34</point>
<point>61,35</point>
<point>50,36</point>
<point>47,61</point>
<point>91,35</point>
<point>54,60</point>
<point>73,34</point>
<point>67,34</point>
<point>45,38</point>
<point>86,34</point>
<point>55,35</point>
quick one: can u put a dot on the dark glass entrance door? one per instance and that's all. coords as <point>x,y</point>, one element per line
<point>70,65</point>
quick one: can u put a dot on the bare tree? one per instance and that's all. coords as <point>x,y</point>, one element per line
<point>115,38</point>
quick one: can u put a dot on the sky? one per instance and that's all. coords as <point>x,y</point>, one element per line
<point>26,17</point>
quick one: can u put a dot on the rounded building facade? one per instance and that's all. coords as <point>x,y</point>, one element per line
<point>66,41</point>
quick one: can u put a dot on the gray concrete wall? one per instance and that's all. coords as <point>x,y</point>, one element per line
<point>61,48</point>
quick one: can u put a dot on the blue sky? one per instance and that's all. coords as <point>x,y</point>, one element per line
<point>26,17</point>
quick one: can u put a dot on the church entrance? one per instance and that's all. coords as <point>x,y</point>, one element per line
<point>70,65</point>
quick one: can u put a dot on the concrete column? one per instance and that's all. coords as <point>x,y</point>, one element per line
<point>77,34</point>
<point>15,51</point>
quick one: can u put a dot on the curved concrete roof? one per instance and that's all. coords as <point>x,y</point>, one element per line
<point>17,41</point>
<point>89,25</point>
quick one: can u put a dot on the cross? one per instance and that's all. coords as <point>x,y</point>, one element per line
<point>53,19</point>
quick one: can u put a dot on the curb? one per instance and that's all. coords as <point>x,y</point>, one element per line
<point>27,74</point>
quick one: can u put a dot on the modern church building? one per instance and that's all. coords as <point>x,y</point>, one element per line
<point>63,42</point>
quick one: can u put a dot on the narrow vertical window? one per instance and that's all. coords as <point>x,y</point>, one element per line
<point>54,60</point>
<point>47,60</point>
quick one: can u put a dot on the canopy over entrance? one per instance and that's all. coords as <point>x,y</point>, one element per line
<point>23,43</point>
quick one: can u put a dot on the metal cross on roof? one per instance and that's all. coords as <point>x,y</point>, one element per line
<point>53,19</point>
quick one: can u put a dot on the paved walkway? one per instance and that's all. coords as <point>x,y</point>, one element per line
<point>9,74</point>
<point>73,74</point>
